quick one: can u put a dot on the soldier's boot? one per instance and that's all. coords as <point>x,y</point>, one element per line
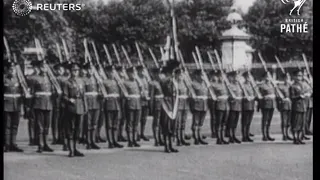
<point>76,152</point>
<point>98,136</point>
<point>40,145</point>
<point>218,136</point>
<point>231,139</point>
<point>263,130</point>
<point>166,144</point>
<point>251,135</point>
<point>236,140</point>
<point>143,137</point>
<point>299,138</point>
<point>187,137</point>
<point>195,138</point>
<point>284,135</point>
<point>130,143</point>
<point>287,134</point>
<point>69,142</point>
<point>221,136</point>
<point>92,144</point>
<point>268,134</point>
<point>248,134</point>
<point>135,144</point>
<point>244,133</point>
<point>170,145</point>
<point>155,136</point>
<point>200,139</point>
<point>7,140</point>
<point>14,147</point>
<point>161,143</point>
<point>183,142</point>
<point>227,131</point>
<point>295,141</point>
<point>46,147</point>
<point>109,138</point>
<point>178,137</point>
<point>115,142</point>
<point>88,140</point>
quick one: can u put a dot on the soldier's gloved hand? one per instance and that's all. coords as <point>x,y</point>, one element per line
<point>72,100</point>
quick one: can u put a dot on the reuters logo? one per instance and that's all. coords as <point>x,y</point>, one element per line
<point>22,7</point>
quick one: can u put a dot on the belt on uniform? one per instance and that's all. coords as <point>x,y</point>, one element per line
<point>12,95</point>
<point>270,96</point>
<point>223,97</point>
<point>133,96</point>
<point>286,99</point>
<point>201,97</point>
<point>43,93</point>
<point>94,93</point>
<point>158,96</point>
<point>183,97</point>
<point>112,95</point>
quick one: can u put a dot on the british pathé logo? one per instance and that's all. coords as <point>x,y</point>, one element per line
<point>294,25</point>
<point>297,4</point>
<point>24,7</point>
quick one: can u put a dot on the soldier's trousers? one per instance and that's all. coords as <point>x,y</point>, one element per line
<point>112,119</point>
<point>198,120</point>
<point>101,120</point>
<point>156,119</point>
<point>309,114</point>
<point>92,119</point>
<point>43,119</point>
<point>133,118</point>
<point>267,115</point>
<point>11,124</point>
<point>167,125</point>
<point>143,119</point>
<point>285,118</point>
<point>181,119</point>
<point>55,122</point>
<point>246,119</point>
<point>297,121</point>
<point>73,125</point>
<point>221,119</point>
<point>233,119</point>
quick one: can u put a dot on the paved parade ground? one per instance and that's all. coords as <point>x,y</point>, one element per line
<point>247,161</point>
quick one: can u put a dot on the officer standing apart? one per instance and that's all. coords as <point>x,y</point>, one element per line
<point>74,94</point>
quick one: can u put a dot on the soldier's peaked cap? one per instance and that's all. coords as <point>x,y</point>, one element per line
<point>118,67</point>
<point>74,66</point>
<point>232,73</point>
<point>177,71</point>
<point>130,69</point>
<point>139,67</point>
<point>108,67</point>
<point>197,72</point>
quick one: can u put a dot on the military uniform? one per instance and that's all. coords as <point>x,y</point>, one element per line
<point>144,103</point>
<point>299,107</point>
<point>199,107</point>
<point>284,106</point>
<point>93,99</point>
<point>235,109</point>
<point>133,109</point>
<point>122,117</point>
<point>182,114</point>
<point>212,106</point>
<point>268,104</point>
<point>247,111</point>
<point>156,96</point>
<point>309,103</point>
<point>112,109</point>
<point>12,104</point>
<point>222,110</point>
<point>76,107</point>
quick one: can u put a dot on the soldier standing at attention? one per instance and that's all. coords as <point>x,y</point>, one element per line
<point>284,107</point>
<point>133,107</point>
<point>212,104</point>
<point>93,99</point>
<point>183,109</point>
<point>12,104</point>
<point>309,102</point>
<point>222,108</point>
<point>199,107</point>
<point>299,108</point>
<point>156,96</point>
<point>170,90</point>
<point>247,109</point>
<point>144,101</point>
<point>235,106</point>
<point>76,107</point>
<point>268,104</point>
<point>122,117</point>
<point>83,128</point>
<point>41,91</point>
<point>112,108</point>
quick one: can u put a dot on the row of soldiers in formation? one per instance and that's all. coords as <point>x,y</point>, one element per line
<point>78,114</point>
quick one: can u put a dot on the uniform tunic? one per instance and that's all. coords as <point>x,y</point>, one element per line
<point>268,103</point>
<point>284,105</point>
<point>156,95</point>
<point>247,109</point>
<point>199,105</point>
<point>112,104</point>
<point>222,105</point>
<point>235,105</point>
<point>93,101</point>
<point>299,106</point>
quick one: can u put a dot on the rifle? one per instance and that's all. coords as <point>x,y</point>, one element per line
<point>186,76</point>
<point>142,63</point>
<point>59,52</point>
<point>310,79</point>
<point>103,73</point>
<point>224,76</point>
<point>119,61</point>
<point>195,60</point>
<point>205,77</point>
<point>65,47</point>
<point>94,70</point>
<point>278,91</point>
<point>116,75</point>
<point>281,67</point>
<point>50,73</point>
<point>21,78</point>
<point>154,58</point>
